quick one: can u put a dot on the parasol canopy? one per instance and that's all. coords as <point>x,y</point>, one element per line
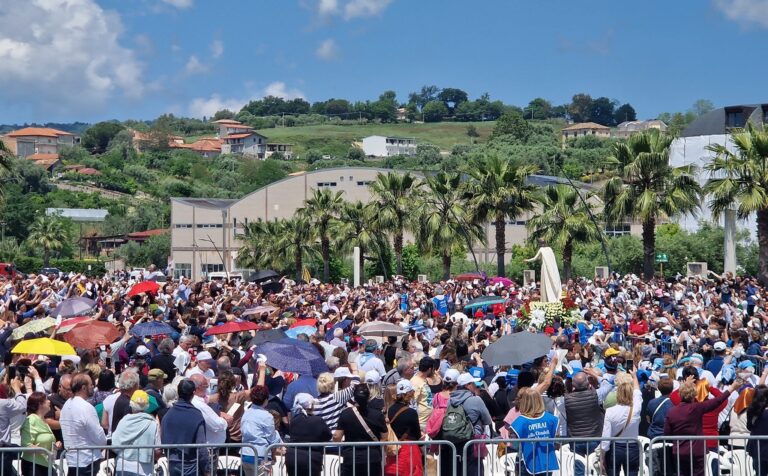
<point>291,355</point>
<point>43,346</point>
<point>149,287</point>
<point>517,349</point>
<point>34,326</point>
<point>74,307</point>
<point>90,334</point>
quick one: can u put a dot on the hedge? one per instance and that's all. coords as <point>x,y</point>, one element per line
<point>30,264</point>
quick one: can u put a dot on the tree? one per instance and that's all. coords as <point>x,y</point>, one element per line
<point>701,107</point>
<point>624,113</point>
<point>647,188</point>
<point>434,111</point>
<point>426,95</point>
<point>742,183</point>
<point>223,114</point>
<point>564,220</point>
<point>601,111</point>
<point>444,219</point>
<point>322,210</point>
<point>49,233</point>
<point>6,156</point>
<point>261,247</point>
<point>512,124</point>
<point>538,108</point>
<point>499,190</point>
<point>296,243</point>
<point>392,195</point>
<point>472,133</point>
<point>97,137</point>
<point>452,97</point>
<point>580,107</point>
<point>356,227</point>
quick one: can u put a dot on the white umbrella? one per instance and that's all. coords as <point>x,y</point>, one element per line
<point>381,329</point>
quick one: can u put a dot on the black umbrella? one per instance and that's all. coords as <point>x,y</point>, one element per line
<point>271,287</point>
<point>517,349</point>
<point>269,335</point>
<point>263,275</point>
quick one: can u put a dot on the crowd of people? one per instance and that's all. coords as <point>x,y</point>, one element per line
<point>676,358</point>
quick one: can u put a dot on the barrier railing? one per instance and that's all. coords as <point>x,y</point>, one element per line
<point>412,458</point>
<point>30,461</point>
<point>563,456</point>
<point>735,455</point>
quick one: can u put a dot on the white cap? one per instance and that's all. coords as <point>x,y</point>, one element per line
<point>404,386</point>
<point>372,377</point>
<point>719,346</point>
<point>666,328</point>
<point>342,372</point>
<point>451,376</point>
<point>204,355</point>
<point>142,350</point>
<point>466,378</point>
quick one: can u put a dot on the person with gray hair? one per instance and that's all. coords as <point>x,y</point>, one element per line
<point>165,358</point>
<point>584,416</point>
<point>137,429</point>
<point>117,405</point>
<point>404,370</point>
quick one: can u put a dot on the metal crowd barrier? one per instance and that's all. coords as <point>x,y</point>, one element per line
<point>561,456</point>
<point>15,461</point>
<point>413,458</point>
<point>736,455</point>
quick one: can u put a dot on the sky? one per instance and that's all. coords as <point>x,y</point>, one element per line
<point>90,60</point>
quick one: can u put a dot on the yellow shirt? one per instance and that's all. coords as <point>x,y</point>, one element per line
<point>422,396</point>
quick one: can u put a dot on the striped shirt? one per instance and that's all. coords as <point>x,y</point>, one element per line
<point>329,406</point>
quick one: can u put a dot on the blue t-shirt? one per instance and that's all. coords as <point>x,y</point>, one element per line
<point>537,457</point>
<point>404,302</point>
<point>657,410</point>
<point>441,304</point>
<point>585,333</point>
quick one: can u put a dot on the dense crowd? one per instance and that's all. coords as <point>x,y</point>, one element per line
<point>681,357</point>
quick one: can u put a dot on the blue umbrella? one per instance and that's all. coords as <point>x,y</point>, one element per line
<point>291,355</point>
<point>339,325</point>
<point>73,307</point>
<point>152,328</point>
<point>483,301</point>
<point>306,330</point>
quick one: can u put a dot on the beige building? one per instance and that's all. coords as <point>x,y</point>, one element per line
<point>38,140</point>
<point>583,129</point>
<point>204,232</point>
<point>626,129</point>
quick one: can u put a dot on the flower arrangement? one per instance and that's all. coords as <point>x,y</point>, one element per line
<point>538,315</point>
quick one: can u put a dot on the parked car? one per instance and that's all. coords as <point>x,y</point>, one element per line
<point>8,270</point>
<point>137,272</point>
<point>51,271</point>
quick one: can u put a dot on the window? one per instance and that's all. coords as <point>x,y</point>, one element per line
<point>206,268</point>
<point>182,269</point>
<point>209,225</point>
<point>734,119</point>
<point>363,183</point>
<point>617,230</point>
<point>341,179</point>
<point>326,184</point>
<point>182,225</point>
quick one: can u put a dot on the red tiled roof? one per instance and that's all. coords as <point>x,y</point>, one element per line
<point>147,233</point>
<point>585,125</point>
<point>38,131</point>
<point>206,145</point>
<point>88,171</point>
<point>239,135</point>
<point>226,121</point>
<point>39,156</point>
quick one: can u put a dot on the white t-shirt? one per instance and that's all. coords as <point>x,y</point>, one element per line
<point>109,407</point>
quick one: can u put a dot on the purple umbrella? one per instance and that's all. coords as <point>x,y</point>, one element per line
<point>291,355</point>
<point>506,282</point>
<point>73,307</point>
<point>152,328</point>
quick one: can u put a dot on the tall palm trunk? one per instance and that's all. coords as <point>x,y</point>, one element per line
<point>649,247</point>
<point>298,263</point>
<point>325,250</point>
<point>447,264</point>
<point>501,243</point>
<point>762,241</point>
<point>398,244</point>
<point>46,256</point>
<point>567,259</point>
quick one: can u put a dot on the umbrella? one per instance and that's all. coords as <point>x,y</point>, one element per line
<point>470,277</point>
<point>271,287</point>
<point>68,324</point>
<point>43,346</point>
<point>269,335</point>
<point>381,329</point>
<point>230,327</point>
<point>259,310</point>
<point>305,322</point>
<point>339,325</point>
<point>152,328</point>
<point>34,326</point>
<point>88,335</point>
<point>74,307</point>
<point>150,287</point>
<point>263,275</point>
<point>291,355</point>
<point>503,281</point>
<point>294,332</point>
<point>483,301</point>
<point>517,349</point>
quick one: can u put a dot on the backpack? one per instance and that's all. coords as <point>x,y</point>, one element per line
<point>456,426</point>
<point>435,420</point>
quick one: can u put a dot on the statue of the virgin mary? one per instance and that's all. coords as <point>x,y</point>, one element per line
<point>550,286</point>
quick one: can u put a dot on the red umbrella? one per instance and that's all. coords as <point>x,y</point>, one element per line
<point>88,335</point>
<point>68,324</point>
<point>305,322</point>
<point>470,277</point>
<point>143,287</point>
<point>231,327</point>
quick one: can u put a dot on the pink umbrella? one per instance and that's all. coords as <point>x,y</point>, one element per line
<point>506,282</point>
<point>68,324</point>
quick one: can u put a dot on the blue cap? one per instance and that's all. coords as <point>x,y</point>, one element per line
<point>477,372</point>
<point>745,364</point>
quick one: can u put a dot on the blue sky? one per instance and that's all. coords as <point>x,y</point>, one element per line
<point>66,60</point>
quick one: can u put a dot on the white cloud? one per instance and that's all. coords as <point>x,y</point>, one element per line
<point>745,11</point>
<point>327,7</point>
<point>179,3</point>
<point>328,50</point>
<point>217,48</point>
<point>279,89</point>
<point>194,66</point>
<point>364,8</point>
<point>64,55</point>
<point>207,107</point>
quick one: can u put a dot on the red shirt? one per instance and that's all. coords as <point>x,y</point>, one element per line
<point>638,328</point>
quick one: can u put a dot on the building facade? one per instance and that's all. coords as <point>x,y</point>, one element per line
<point>38,140</point>
<point>381,146</point>
<point>626,129</point>
<point>583,129</point>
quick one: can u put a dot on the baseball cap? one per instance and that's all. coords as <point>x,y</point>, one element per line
<point>403,387</point>
<point>157,373</point>
<point>143,400</point>
<point>477,372</point>
<point>466,378</point>
<point>451,376</point>
<point>342,372</point>
<point>372,377</point>
<point>142,350</point>
<point>204,355</point>
<point>719,346</point>
<point>610,352</point>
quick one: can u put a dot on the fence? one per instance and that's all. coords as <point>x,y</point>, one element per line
<point>15,460</point>
<point>732,455</point>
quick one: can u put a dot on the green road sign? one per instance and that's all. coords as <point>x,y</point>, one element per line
<point>662,258</point>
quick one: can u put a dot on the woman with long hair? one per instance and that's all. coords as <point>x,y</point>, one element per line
<point>404,421</point>
<point>360,423</point>
<point>534,423</point>
<point>757,424</point>
<point>623,420</point>
<point>225,398</point>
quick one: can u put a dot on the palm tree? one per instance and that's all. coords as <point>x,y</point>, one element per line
<point>742,182</point>
<point>6,156</point>
<point>647,188</point>
<point>49,233</point>
<point>321,210</point>
<point>296,243</point>
<point>564,219</point>
<point>392,196</point>
<point>356,227</point>
<point>444,219</point>
<point>259,248</point>
<point>499,190</point>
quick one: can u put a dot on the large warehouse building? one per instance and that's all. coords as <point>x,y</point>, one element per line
<point>204,231</point>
